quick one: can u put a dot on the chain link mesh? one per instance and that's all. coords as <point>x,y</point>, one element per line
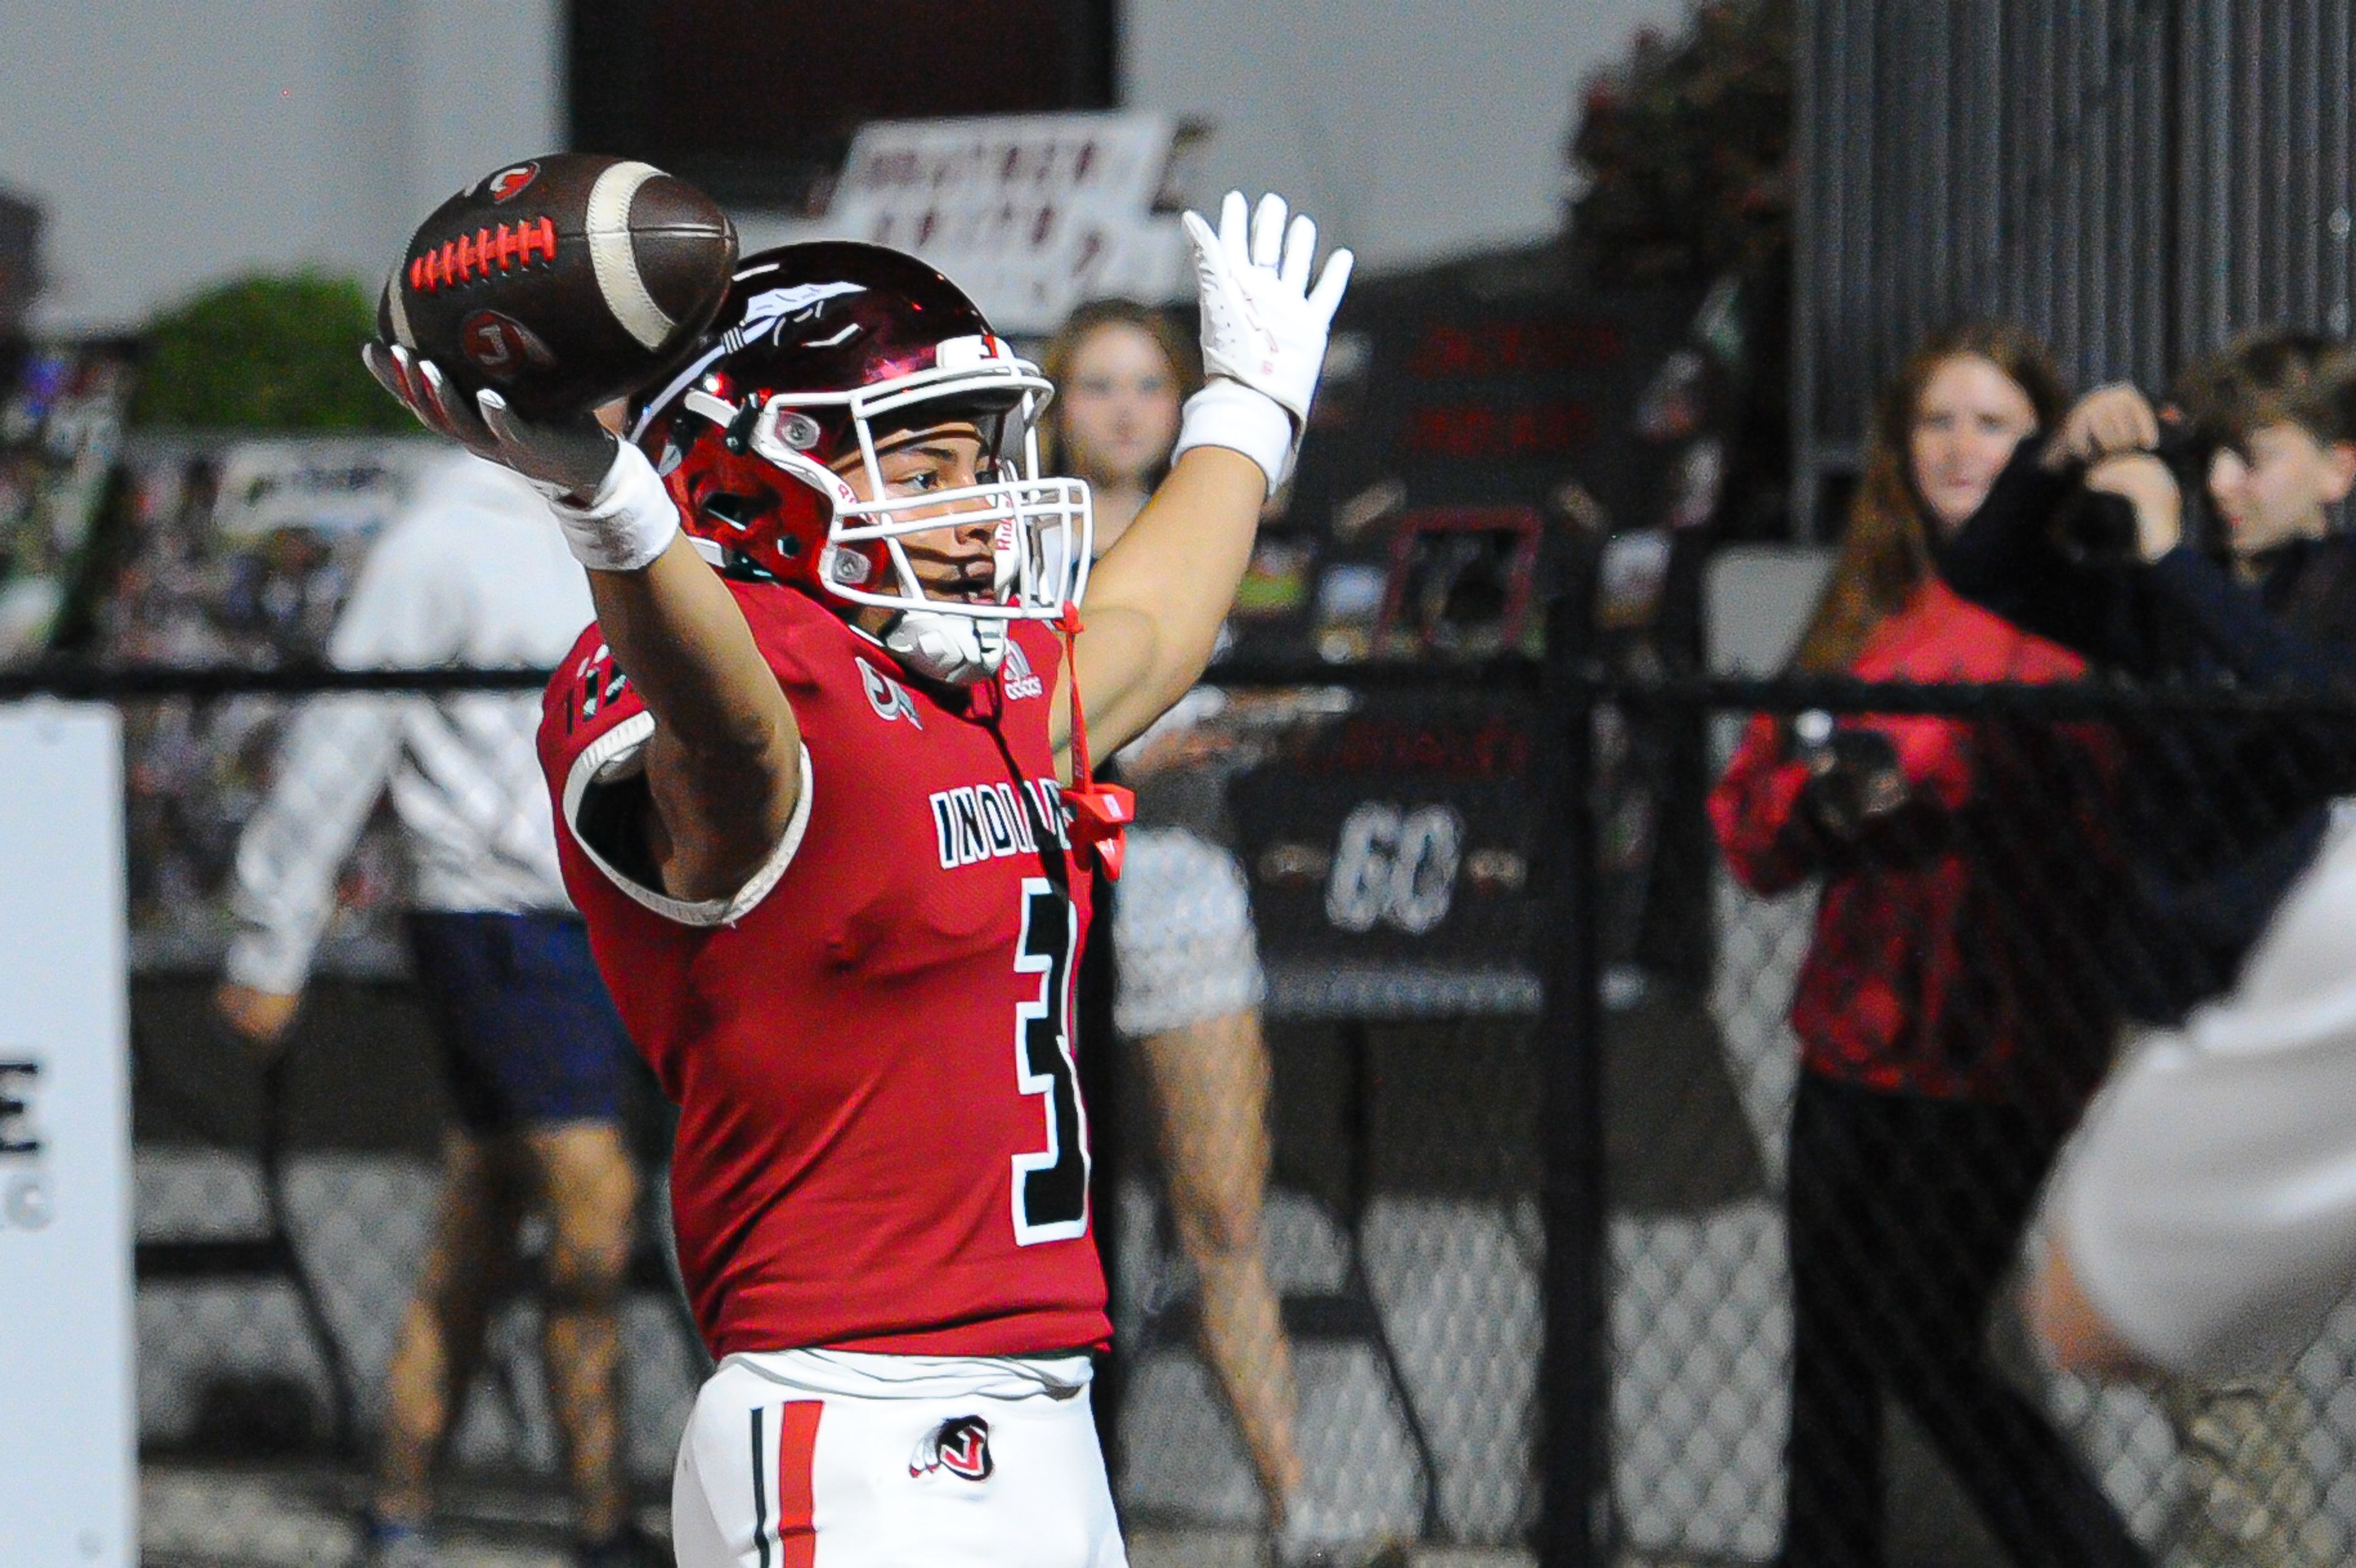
<point>1999,944</point>
<point>1400,1232</point>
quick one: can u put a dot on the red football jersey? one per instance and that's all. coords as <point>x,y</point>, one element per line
<point>880,1142</point>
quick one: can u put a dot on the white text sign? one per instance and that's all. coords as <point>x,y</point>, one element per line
<point>67,1446</point>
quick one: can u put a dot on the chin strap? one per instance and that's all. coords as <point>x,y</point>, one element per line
<point>955,649</point>
<point>1101,813</point>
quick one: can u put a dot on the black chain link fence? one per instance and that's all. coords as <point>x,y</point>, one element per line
<point>1968,901</point>
<point>1968,897</point>
<point>283,1207</point>
<point>1936,917</point>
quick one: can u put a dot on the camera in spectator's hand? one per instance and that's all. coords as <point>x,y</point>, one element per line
<point>2098,529</point>
<point>1854,779</point>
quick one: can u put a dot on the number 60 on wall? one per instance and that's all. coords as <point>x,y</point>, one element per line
<point>1395,866</point>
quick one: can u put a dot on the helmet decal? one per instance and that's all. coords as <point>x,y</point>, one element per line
<point>766,315</point>
<point>773,308</point>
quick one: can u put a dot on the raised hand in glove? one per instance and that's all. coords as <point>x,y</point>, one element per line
<point>614,512</point>
<point>1264,330</point>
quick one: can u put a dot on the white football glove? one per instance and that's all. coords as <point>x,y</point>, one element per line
<point>1264,329</point>
<point>627,518</point>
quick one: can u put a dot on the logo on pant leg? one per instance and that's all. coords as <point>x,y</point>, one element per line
<point>959,1445</point>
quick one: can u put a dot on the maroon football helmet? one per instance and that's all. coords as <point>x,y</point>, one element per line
<point>817,349</point>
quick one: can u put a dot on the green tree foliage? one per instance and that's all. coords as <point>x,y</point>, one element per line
<point>1685,146</point>
<point>1685,150</point>
<point>266,353</point>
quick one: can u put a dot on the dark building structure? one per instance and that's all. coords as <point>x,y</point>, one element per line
<point>2134,180</point>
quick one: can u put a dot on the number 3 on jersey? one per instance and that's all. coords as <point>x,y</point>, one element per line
<point>1051,1187</point>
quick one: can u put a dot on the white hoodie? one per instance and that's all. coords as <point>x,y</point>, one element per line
<point>473,575</point>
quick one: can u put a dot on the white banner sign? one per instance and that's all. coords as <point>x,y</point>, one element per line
<point>334,484</point>
<point>1030,214</point>
<point>67,1468</point>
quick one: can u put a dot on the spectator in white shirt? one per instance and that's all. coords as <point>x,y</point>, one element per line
<point>474,575</point>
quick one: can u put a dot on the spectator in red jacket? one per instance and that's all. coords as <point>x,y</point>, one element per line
<point>1950,1012</point>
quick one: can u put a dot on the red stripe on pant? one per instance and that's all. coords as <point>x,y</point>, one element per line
<point>794,1534</point>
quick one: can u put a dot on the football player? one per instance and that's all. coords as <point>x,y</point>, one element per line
<point>821,775</point>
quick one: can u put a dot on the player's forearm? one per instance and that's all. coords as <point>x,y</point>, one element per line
<point>1157,599</point>
<point>678,634</point>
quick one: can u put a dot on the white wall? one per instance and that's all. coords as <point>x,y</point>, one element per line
<point>1414,129</point>
<point>175,142</point>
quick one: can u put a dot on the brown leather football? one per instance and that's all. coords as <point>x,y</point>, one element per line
<point>563,282</point>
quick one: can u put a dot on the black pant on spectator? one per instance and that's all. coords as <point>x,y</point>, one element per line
<point>1904,1215</point>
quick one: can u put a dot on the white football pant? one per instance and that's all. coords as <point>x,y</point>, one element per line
<point>830,1459</point>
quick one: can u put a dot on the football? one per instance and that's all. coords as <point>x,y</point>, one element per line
<point>562,281</point>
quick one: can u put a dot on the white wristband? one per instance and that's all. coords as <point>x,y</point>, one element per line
<point>1230,414</point>
<point>627,523</point>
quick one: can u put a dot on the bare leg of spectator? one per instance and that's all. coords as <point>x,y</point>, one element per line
<point>1211,1084</point>
<point>468,1263</point>
<point>589,1190</point>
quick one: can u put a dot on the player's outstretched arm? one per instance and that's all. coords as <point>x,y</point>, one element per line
<point>724,764</point>
<point>1157,599</point>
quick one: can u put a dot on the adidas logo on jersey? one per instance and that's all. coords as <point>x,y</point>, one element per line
<point>989,822</point>
<point>1015,674</point>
